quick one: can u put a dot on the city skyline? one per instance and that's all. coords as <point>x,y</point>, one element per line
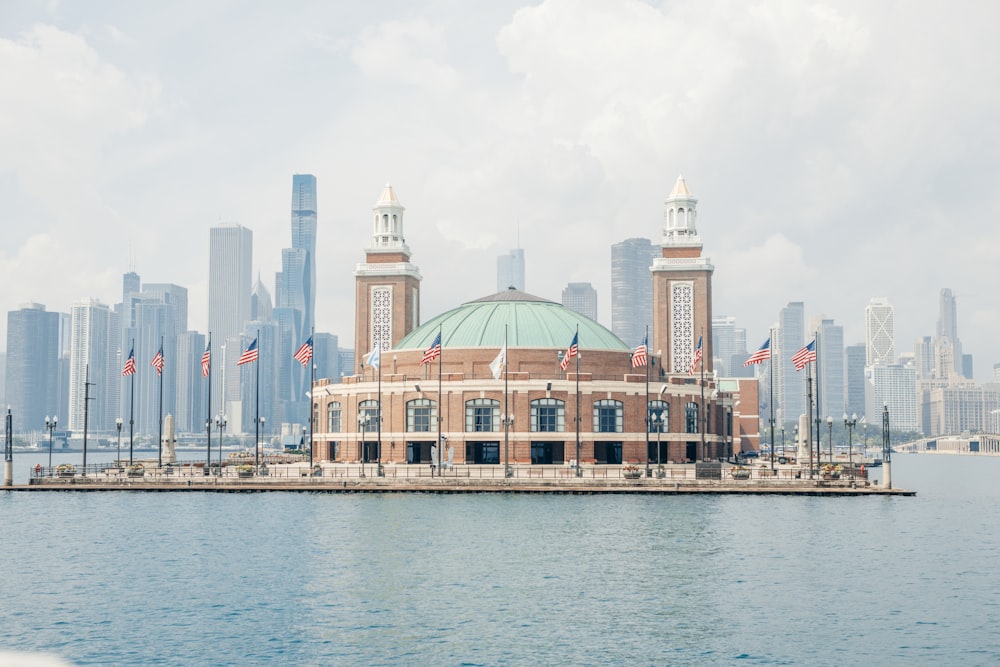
<point>826,187</point>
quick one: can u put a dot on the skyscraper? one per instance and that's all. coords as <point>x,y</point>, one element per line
<point>295,302</point>
<point>581,297</point>
<point>791,389</point>
<point>32,377</point>
<point>510,270</point>
<point>229,286</point>
<point>730,345</point>
<point>947,330</point>
<point>855,380</point>
<point>879,344</point>
<point>94,353</point>
<point>830,361</point>
<point>632,288</point>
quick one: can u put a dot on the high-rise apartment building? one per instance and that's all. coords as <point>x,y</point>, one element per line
<point>854,356</point>
<point>326,356</point>
<point>791,387</point>
<point>510,270</point>
<point>879,341</point>
<point>94,357</point>
<point>32,374</point>
<point>830,369</point>
<point>581,297</point>
<point>632,288</point>
<point>190,407</point>
<point>229,288</point>
<point>730,345</point>
<point>893,386</point>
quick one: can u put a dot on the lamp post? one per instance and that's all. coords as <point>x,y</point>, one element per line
<point>782,439</point>
<point>850,424</point>
<point>263,420</point>
<point>829,423</point>
<point>118,425</point>
<point>220,421</point>
<point>507,421</point>
<point>304,439</point>
<point>50,425</point>
<point>658,419</point>
<point>363,425</point>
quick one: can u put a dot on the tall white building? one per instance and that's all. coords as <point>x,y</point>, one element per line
<point>832,378</point>
<point>790,384</point>
<point>894,386</point>
<point>510,270</point>
<point>879,339</point>
<point>94,355</point>
<point>229,288</point>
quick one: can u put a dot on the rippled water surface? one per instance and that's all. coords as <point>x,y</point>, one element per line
<point>123,578</point>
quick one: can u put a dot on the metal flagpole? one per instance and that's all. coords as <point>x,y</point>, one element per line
<point>818,418</point>
<point>159,451</point>
<point>645,445</point>
<point>439,408</point>
<point>770,388</point>
<point>704,415</point>
<point>579,470</point>
<point>506,409</point>
<point>208,416</point>
<point>312,391</point>
<point>256,405</point>
<point>809,408</point>
<point>131,413</point>
<point>378,444</point>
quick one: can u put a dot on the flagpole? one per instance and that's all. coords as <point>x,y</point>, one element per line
<point>378,470</point>
<point>645,445</point>
<point>439,408</point>
<point>704,415</point>
<point>131,410</point>
<point>256,406</point>
<point>770,388</point>
<point>159,455</point>
<point>506,410</point>
<point>208,420</point>
<point>818,418</point>
<point>576,337</point>
<point>312,391</point>
<point>809,408</point>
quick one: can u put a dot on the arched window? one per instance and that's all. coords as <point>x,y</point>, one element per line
<point>368,415</point>
<point>421,415</point>
<point>333,417</point>
<point>607,416</point>
<point>548,415</point>
<point>659,417</point>
<point>691,418</point>
<point>482,415</point>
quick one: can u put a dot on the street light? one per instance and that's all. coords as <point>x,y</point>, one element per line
<point>263,421</point>
<point>118,425</point>
<point>658,419</point>
<point>782,439</point>
<point>850,424</point>
<point>829,423</point>
<point>507,421</point>
<point>363,425</point>
<point>50,425</point>
<point>304,437</point>
<point>220,421</point>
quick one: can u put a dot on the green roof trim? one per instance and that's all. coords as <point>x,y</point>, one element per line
<point>532,322</point>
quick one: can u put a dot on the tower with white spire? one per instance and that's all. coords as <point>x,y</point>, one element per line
<point>387,297</point>
<point>682,287</point>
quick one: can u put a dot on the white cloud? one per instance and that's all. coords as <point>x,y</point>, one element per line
<point>409,52</point>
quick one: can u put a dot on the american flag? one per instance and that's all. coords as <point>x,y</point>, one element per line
<point>761,355</point>
<point>206,360</point>
<point>697,358</point>
<point>157,361</point>
<point>639,354</point>
<point>574,350</point>
<point>433,352</point>
<point>129,363</point>
<point>249,354</point>
<point>805,355</point>
<point>305,352</point>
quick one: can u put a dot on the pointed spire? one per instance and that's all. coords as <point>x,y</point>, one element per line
<point>388,196</point>
<point>680,188</point>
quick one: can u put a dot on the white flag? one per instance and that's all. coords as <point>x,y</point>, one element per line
<point>374,358</point>
<point>497,365</point>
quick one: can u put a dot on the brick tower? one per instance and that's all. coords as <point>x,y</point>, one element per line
<point>682,288</point>
<point>387,300</point>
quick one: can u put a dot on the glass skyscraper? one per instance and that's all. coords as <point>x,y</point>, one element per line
<point>632,288</point>
<point>229,287</point>
<point>32,377</point>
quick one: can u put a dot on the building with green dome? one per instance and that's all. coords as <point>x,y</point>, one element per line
<point>498,380</point>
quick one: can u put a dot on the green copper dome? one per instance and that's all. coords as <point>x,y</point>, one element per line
<point>532,322</point>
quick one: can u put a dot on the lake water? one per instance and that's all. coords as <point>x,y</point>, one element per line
<point>131,578</point>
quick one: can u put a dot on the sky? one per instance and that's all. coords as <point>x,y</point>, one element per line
<point>839,151</point>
